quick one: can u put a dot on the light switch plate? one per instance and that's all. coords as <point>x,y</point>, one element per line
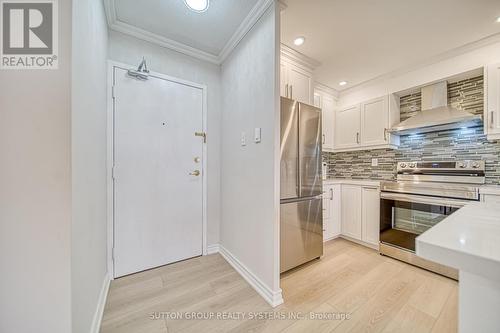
<point>374,162</point>
<point>257,134</point>
<point>243,139</point>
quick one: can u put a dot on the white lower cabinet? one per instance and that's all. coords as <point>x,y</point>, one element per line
<point>351,211</point>
<point>331,212</point>
<point>370,215</point>
<point>358,212</point>
<point>489,198</point>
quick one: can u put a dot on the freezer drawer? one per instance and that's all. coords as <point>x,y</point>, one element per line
<point>301,232</point>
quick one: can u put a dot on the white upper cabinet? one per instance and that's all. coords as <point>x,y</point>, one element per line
<point>296,75</point>
<point>300,84</point>
<point>347,127</point>
<point>366,125</point>
<point>296,83</point>
<point>374,120</point>
<point>492,101</point>
<point>327,103</point>
<point>283,80</point>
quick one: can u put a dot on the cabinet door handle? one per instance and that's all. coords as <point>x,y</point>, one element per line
<point>291,91</point>
<point>286,90</point>
<point>324,139</point>
<point>385,134</point>
<point>492,121</point>
<point>357,137</point>
<point>331,194</point>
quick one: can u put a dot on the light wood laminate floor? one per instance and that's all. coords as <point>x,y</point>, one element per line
<point>379,294</point>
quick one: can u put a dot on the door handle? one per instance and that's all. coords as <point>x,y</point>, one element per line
<point>195,173</point>
<point>492,122</point>
<point>331,194</point>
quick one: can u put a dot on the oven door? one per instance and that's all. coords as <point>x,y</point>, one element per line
<point>404,216</point>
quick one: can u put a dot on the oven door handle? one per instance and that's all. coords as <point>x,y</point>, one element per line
<point>454,203</point>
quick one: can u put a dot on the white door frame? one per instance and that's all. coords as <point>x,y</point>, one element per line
<point>110,154</point>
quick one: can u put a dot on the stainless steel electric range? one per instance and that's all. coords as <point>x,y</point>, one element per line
<point>423,195</point>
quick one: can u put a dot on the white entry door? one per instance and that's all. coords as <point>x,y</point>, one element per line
<point>158,186</point>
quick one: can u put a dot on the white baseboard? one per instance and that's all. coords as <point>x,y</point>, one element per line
<point>331,238</point>
<point>101,302</point>
<point>274,298</point>
<point>357,241</point>
<point>212,248</point>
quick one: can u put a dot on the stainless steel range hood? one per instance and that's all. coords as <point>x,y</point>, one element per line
<point>436,114</point>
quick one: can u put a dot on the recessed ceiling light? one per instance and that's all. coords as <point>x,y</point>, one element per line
<point>299,41</point>
<point>498,19</point>
<point>342,83</point>
<point>198,5</point>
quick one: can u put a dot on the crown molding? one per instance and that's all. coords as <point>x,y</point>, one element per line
<point>299,58</point>
<point>282,5</point>
<point>253,16</point>
<point>326,89</point>
<point>469,47</point>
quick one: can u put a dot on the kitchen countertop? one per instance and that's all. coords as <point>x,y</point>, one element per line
<point>348,181</point>
<point>490,189</point>
<point>468,240</point>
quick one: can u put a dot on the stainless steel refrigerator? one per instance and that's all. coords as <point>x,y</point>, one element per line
<point>301,221</point>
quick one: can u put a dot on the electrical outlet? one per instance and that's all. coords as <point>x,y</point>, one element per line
<point>374,162</point>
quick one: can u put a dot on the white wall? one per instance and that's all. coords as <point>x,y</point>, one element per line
<point>250,181</point>
<point>35,194</point>
<point>422,75</point>
<point>129,50</point>
<point>88,133</point>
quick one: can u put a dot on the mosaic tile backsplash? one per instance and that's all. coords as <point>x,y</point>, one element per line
<point>459,144</point>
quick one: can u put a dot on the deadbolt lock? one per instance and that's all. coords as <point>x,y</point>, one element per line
<point>202,134</point>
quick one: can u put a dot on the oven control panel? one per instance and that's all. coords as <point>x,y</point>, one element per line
<point>423,166</point>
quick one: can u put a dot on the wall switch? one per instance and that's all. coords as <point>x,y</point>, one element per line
<point>257,135</point>
<point>374,162</point>
<point>243,139</point>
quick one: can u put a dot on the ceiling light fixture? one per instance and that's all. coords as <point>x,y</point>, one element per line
<point>299,41</point>
<point>498,19</point>
<point>197,5</point>
<point>342,83</point>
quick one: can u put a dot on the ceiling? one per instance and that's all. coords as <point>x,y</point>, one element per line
<point>209,31</point>
<point>359,40</point>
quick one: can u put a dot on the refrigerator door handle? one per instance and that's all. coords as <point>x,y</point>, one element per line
<point>299,169</point>
<point>285,201</point>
